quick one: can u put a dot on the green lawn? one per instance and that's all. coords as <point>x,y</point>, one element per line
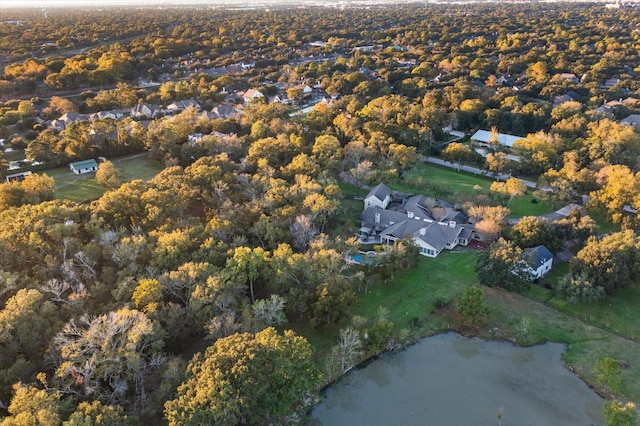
<point>82,188</point>
<point>410,297</point>
<point>604,223</point>
<point>430,179</point>
<point>524,206</point>
<point>413,294</point>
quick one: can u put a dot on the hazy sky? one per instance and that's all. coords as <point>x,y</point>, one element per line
<point>97,3</point>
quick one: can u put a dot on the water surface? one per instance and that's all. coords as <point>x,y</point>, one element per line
<point>453,380</point>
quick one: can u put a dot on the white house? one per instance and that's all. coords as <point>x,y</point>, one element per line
<point>17,177</point>
<point>251,94</point>
<point>143,110</point>
<point>538,261</point>
<point>379,196</point>
<point>484,137</point>
<point>84,166</point>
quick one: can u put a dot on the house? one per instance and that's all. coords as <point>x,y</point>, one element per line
<point>222,111</point>
<point>61,123</point>
<point>17,177</point>
<point>180,106</point>
<point>282,99</point>
<point>611,82</point>
<point>389,216</point>
<point>379,196</point>
<point>570,96</point>
<point>103,115</point>
<point>84,166</point>
<point>145,111</point>
<point>484,137</point>
<point>305,88</point>
<point>566,76</point>
<point>250,95</point>
<point>538,261</point>
<point>194,138</point>
<point>632,120</point>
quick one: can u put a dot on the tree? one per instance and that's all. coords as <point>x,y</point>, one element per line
<point>38,188</point>
<point>532,231</point>
<point>619,187</point>
<point>608,374</point>
<point>98,414</point>
<point>270,312</point>
<point>610,263</point>
<point>501,265</point>
<point>25,330</point>
<point>262,378</point>
<point>489,220</point>
<point>32,407</point>
<point>619,414</point>
<point>472,305</point>
<point>328,152</point>
<point>498,163</point>
<point>458,153</point>
<point>537,152</point>
<point>512,187</point>
<point>107,175</point>
<point>108,357</point>
<point>579,287</point>
<point>334,298</point>
<point>250,264</point>
<point>147,295</point>
<point>4,164</point>
<point>347,353</point>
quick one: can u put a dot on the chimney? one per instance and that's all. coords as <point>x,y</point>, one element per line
<point>452,224</point>
<point>410,215</point>
<point>377,217</point>
<point>423,231</point>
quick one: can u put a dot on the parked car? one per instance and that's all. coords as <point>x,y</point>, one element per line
<point>477,245</point>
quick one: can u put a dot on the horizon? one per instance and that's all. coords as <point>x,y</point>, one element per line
<point>31,4</point>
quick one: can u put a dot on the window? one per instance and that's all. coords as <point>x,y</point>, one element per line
<point>427,251</point>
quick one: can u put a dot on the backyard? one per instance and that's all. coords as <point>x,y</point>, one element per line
<point>83,188</point>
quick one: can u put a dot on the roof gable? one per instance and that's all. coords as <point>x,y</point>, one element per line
<point>537,256</point>
<point>380,191</point>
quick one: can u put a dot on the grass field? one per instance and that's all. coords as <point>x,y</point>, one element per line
<point>82,188</point>
<point>410,296</point>
<point>414,293</point>
<point>425,176</point>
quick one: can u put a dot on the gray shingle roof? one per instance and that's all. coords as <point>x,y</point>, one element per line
<point>536,256</point>
<point>438,235</point>
<point>380,191</point>
<point>368,217</point>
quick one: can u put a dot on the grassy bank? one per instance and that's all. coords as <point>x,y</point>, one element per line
<point>525,321</point>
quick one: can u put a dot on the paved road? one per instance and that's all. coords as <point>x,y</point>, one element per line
<point>477,171</point>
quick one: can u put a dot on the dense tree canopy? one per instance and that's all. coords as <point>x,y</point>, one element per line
<point>244,378</point>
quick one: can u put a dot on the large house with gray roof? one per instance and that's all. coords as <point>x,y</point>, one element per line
<point>433,225</point>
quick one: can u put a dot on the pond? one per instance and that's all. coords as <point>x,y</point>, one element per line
<point>452,380</point>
